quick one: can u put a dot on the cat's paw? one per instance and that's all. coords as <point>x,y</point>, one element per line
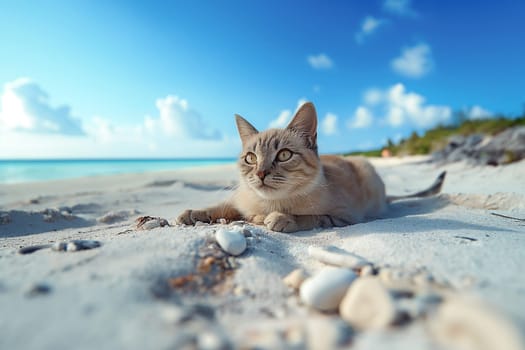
<point>190,217</point>
<point>280,222</point>
<point>257,219</point>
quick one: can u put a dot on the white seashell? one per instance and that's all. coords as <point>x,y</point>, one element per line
<point>468,324</point>
<point>338,257</point>
<point>368,304</point>
<point>231,241</point>
<point>325,290</point>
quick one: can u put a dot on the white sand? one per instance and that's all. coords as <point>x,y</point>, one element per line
<point>117,296</point>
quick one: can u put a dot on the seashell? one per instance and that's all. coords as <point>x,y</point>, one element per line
<point>368,305</point>
<point>325,290</point>
<point>468,324</point>
<point>338,257</point>
<point>150,222</point>
<point>231,241</point>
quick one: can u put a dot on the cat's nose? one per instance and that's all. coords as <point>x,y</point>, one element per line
<point>261,174</point>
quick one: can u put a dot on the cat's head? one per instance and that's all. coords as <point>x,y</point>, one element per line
<point>279,163</point>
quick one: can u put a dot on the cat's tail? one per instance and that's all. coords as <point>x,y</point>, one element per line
<point>435,188</point>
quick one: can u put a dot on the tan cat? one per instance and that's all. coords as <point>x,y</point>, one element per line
<point>286,186</point>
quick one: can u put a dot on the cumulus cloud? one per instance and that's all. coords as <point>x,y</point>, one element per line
<point>282,119</point>
<point>373,96</point>
<point>478,112</point>
<point>410,107</point>
<point>320,61</point>
<point>362,118</point>
<point>25,106</point>
<point>33,128</point>
<point>285,116</point>
<point>399,107</point>
<point>178,120</point>
<point>369,25</point>
<point>399,7</point>
<point>414,62</point>
<point>329,124</point>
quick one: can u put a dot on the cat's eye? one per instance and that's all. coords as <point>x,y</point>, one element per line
<point>284,155</point>
<point>250,158</point>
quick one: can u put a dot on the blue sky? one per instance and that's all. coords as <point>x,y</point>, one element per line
<point>164,78</point>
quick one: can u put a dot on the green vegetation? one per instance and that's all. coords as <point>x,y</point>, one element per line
<point>437,137</point>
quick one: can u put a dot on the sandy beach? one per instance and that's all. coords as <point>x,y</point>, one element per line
<point>172,287</point>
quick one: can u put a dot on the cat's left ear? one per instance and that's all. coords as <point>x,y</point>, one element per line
<point>246,130</point>
<point>305,121</point>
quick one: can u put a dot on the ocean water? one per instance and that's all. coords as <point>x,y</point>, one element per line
<point>16,171</point>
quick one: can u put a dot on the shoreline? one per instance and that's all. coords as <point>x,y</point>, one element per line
<point>65,169</point>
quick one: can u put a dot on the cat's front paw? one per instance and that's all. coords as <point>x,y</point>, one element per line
<point>190,217</point>
<point>257,219</point>
<point>280,222</point>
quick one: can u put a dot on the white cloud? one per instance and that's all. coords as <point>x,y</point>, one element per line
<point>414,62</point>
<point>320,61</point>
<point>24,106</point>
<point>368,26</point>
<point>33,129</point>
<point>478,112</point>
<point>399,7</point>
<point>399,107</point>
<point>329,124</point>
<point>373,96</point>
<point>282,119</point>
<point>409,107</point>
<point>285,116</point>
<point>362,118</point>
<point>178,120</point>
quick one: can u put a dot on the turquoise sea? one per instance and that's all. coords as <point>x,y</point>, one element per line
<point>16,171</point>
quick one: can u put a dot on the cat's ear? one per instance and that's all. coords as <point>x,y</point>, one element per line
<point>245,129</point>
<point>305,121</point>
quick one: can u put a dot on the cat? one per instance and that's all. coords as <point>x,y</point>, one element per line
<point>286,186</point>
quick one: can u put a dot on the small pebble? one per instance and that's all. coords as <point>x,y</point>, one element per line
<point>212,340</point>
<point>366,270</point>
<point>75,245</point>
<point>295,278</point>
<point>150,222</point>
<point>338,257</point>
<point>38,289</point>
<point>232,262</point>
<point>325,290</point>
<point>368,305</point>
<point>396,279</point>
<point>468,324</point>
<point>231,241</point>
<point>80,244</point>
<point>327,333</point>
